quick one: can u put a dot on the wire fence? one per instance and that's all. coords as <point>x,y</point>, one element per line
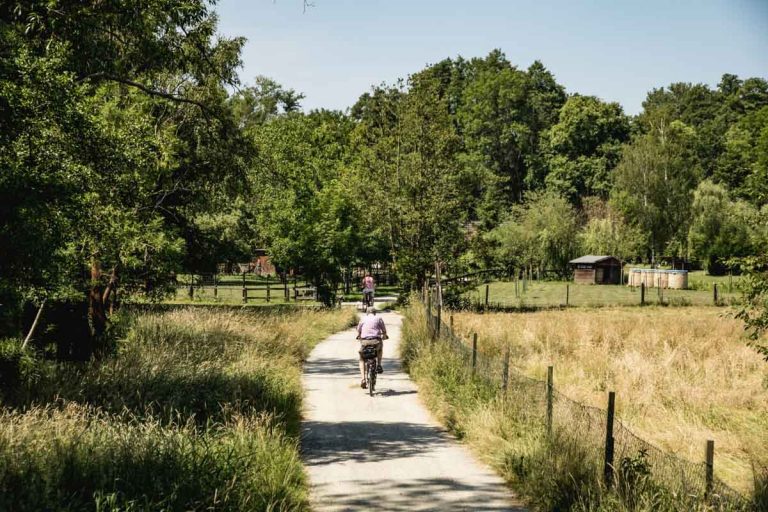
<point>630,464</point>
<point>503,289</point>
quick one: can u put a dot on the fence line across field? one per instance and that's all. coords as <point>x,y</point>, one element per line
<point>524,290</point>
<point>245,288</point>
<point>620,450</point>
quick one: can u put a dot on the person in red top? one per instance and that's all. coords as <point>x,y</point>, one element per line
<point>369,285</point>
<point>371,329</point>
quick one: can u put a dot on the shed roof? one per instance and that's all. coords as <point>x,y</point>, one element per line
<point>590,258</point>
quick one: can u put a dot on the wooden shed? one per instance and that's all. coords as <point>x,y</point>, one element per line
<point>596,270</point>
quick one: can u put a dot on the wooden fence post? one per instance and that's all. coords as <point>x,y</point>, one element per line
<point>451,319</point>
<point>285,288</point>
<point>642,293</point>
<point>438,321</point>
<point>710,467</point>
<point>550,388</point>
<point>245,291</point>
<point>567,293</point>
<point>215,286</point>
<point>295,293</point>
<point>487,289</point>
<point>608,466</point>
<point>268,293</point>
<point>474,352</point>
<point>714,294</point>
<point>505,375</point>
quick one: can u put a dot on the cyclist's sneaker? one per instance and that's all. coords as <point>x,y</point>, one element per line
<point>363,384</point>
<point>379,369</point>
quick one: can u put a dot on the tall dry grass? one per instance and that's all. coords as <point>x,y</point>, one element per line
<point>557,471</point>
<point>681,376</point>
<point>197,410</point>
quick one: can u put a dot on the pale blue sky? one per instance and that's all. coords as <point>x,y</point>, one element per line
<point>617,50</point>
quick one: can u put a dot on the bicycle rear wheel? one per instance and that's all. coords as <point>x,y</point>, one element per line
<point>371,378</point>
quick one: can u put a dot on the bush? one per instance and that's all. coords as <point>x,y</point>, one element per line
<point>18,368</point>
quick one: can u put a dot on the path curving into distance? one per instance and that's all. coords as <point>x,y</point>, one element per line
<point>384,452</point>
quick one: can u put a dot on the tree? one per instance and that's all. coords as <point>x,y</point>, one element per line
<point>607,232</point>
<point>540,233</point>
<point>652,188</point>
<point>494,119</point>
<point>720,228</point>
<point>407,173</point>
<point>255,105</point>
<point>117,125</point>
<point>583,147</point>
<point>743,165</point>
<point>301,198</point>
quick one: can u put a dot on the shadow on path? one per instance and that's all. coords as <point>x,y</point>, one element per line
<point>437,494</point>
<point>366,441</point>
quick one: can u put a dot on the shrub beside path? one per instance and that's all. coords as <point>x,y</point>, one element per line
<point>384,452</point>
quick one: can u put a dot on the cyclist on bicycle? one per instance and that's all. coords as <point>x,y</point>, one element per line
<point>369,285</point>
<point>371,330</point>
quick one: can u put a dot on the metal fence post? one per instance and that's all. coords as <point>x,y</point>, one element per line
<point>550,387</point>
<point>710,464</point>
<point>642,294</point>
<point>608,466</point>
<point>474,352</point>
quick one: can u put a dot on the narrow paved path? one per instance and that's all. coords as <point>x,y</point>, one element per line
<point>384,452</point>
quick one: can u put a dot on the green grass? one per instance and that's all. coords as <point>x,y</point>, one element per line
<point>198,410</point>
<point>543,294</point>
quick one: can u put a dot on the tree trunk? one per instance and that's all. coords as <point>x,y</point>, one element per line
<point>97,313</point>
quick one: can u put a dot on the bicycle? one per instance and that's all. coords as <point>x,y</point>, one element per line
<point>367,299</point>
<point>370,354</point>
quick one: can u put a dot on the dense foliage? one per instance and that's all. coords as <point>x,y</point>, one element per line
<point>130,152</point>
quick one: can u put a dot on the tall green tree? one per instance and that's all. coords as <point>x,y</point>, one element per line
<point>117,125</point>
<point>407,171</point>
<point>584,146</point>
<point>541,233</point>
<point>720,228</point>
<point>653,188</point>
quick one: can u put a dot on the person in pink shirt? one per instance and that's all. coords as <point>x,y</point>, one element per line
<point>371,330</point>
<point>369,285</point>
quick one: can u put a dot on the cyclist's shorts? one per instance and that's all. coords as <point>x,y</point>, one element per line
<point>369,348</point>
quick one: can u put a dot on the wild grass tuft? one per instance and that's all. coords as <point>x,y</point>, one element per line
<point>198,410</point>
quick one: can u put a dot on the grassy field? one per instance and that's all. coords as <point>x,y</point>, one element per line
<point>681,376</point>
<point>198,410</point>
<point>542,294</point>
<point>675,390</point>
